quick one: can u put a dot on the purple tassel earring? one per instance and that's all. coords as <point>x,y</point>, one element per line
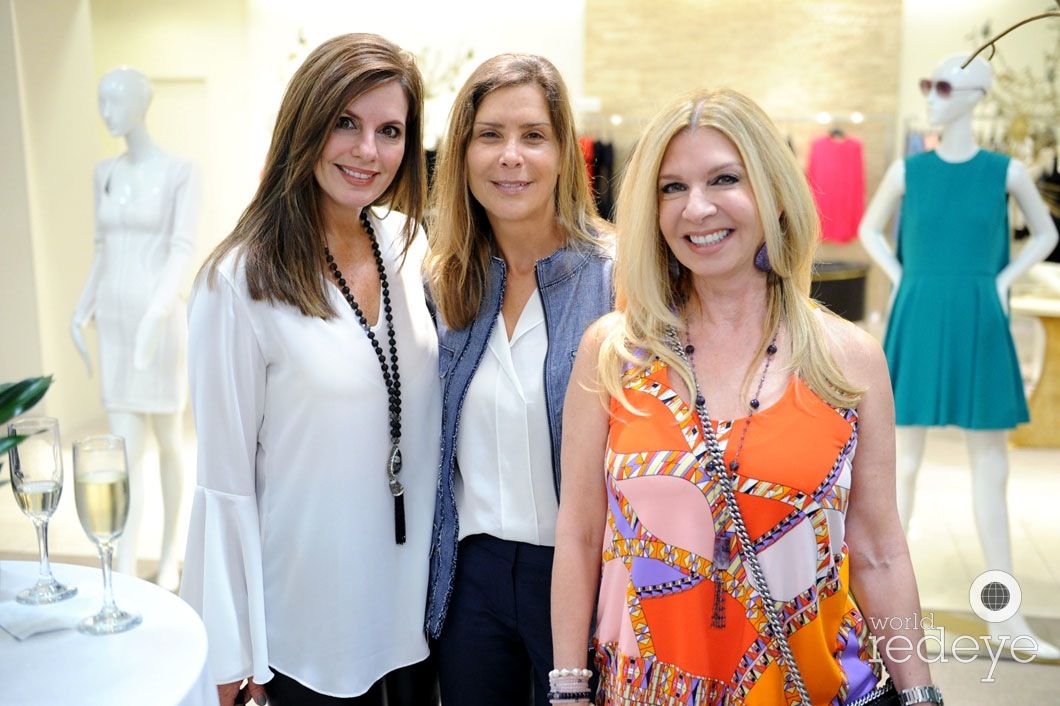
<point>762,259</point>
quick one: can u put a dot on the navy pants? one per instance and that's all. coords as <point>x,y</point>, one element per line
<point>496,642</point>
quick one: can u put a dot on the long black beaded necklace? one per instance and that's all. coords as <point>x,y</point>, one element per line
<point>716,465</point>
<point>390,371</point>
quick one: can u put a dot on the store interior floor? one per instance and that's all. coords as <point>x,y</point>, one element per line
<point>942,536</point>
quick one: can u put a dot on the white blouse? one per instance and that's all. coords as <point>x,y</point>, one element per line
<point>505,487</point>
<point>291,557</point>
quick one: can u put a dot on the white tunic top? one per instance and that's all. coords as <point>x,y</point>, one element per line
<point>291,555</point>
<point>505,487</point>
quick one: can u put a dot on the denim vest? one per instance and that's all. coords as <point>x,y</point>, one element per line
<point>575,287</point>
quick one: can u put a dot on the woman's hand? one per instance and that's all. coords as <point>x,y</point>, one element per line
<point>241,692</point>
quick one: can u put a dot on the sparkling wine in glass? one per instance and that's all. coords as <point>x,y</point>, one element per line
<point>36,467</point>
<point>101,490</point>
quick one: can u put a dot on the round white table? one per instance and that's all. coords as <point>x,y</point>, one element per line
<point>160,662</point>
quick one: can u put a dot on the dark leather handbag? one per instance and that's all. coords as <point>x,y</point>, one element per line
<point>885,695</point>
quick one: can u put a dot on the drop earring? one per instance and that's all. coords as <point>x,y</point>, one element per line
<point>762,259</point>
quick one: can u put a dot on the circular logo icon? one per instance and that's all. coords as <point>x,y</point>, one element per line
<point>995,596</point>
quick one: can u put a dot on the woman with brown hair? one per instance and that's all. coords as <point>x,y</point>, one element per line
<point>519,266</point>
<point>312,358</point>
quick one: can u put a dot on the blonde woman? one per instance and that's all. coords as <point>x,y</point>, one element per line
<point>711,427</point>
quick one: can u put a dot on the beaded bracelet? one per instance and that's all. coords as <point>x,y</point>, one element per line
<point>582,673</point>
<point>569,685</point>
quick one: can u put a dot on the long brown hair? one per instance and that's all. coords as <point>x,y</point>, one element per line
<point>280,234</point>
<point>459,232</point>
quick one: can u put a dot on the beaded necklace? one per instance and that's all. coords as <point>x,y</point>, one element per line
<point>723,545</point>
<point>390,371</point>
<point>716,467</point>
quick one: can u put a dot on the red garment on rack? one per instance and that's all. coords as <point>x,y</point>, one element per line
<point>836,172</point>
<point>586,143</point>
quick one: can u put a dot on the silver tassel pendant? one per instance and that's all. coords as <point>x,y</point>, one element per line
<point>393,467</point>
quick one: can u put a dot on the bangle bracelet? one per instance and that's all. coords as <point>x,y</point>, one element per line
<point>569,695</point>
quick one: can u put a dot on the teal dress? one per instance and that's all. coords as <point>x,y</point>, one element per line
<point>948,343</point>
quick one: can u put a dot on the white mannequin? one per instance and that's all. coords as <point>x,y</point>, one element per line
<point>146,203</point>
<point>987,448</point>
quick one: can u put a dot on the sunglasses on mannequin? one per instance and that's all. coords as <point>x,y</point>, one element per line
<point>944,88</point>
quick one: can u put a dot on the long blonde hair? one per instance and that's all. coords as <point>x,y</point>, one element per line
<point>461,240</point>
<point>649,289</point>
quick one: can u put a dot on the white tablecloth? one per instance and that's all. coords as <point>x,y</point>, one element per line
<point>160,662</point>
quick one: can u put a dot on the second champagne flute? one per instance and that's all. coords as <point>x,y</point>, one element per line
<point>101,491</point>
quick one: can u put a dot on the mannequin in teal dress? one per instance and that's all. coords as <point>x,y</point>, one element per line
<point>948,343</point>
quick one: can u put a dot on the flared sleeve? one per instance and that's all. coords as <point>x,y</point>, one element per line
<point>222,576</point>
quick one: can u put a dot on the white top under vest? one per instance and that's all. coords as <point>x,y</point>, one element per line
<point>505,485</point>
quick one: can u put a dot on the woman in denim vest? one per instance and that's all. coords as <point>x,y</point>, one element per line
<point>519,266</point>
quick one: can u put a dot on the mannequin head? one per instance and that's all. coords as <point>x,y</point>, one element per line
<point>124,95</point>
<point>967,86</point>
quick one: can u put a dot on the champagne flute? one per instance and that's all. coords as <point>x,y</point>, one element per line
<point>36,466</point>
<point>101,490</point>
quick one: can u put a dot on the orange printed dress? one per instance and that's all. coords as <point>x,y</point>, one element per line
<point>665,577</point>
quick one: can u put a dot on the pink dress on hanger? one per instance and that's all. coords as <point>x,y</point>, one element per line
<point>836,173</point>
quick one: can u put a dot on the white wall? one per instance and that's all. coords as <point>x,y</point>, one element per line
<point>46,71</point>
<point>20,352</point>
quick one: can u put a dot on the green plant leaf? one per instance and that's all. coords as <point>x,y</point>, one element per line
<point>9,442</point>
<point>17,397</point>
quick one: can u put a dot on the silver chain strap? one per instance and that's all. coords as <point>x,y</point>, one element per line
<point>716,467</point>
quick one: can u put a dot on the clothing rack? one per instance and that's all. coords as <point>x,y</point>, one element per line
<point>852,122</point>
